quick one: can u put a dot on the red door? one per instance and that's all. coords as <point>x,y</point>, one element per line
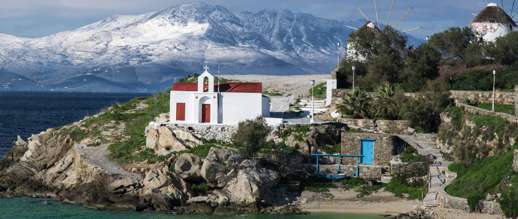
<point>180,111</point>
<point>205,113</point>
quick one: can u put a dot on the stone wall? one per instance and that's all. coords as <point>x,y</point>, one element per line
<point>479,111</point>
<point>452,202</point>
<point>383,126</point>
<point>501,97</point>
<point>369,172</point>
<point>383,147</point>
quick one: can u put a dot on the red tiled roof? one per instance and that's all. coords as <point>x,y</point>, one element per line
<point>228,87</point>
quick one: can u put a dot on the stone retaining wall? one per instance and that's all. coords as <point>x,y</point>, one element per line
<point>210,132</point>
<point>383,126</point>
<point>501,97</point>
<point>452,202</point>
<point>479,111</point>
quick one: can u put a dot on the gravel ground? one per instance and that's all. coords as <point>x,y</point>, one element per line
<point>295,85</point>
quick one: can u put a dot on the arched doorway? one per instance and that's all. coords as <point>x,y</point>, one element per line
<point>205,111</point>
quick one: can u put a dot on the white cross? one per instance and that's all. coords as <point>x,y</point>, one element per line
<point>206,68</point>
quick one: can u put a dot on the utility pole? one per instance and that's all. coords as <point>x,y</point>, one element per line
<point>337,56</point>
<point>312,119</point>
<point>354,74</point>
<point>494,82</point>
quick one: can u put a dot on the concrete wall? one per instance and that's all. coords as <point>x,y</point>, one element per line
<point>237,107</point>
<point>383,147</point>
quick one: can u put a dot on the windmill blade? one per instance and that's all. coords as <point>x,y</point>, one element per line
<point>412,29</point>
<point>512,9</point>
<point>407,13</point>
<point>390,12</point>
<point>376,12</point>
<point>364,15</point>
<point>351,27</point>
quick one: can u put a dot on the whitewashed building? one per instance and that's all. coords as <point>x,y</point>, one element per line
<point>491,23</point>
<point>204,102</point>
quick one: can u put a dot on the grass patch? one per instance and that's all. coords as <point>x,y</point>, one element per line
<point>319,91</point>
<point>132,148</point>
<point>481,177</point>
<point>409,154</point>
<point>501,108</point>
<point>400,188</point>
<point>320,185</point>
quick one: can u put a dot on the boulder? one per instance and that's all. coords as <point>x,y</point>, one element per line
<point>188,166</point>
<point>165,190</point>
<point>515,161</point>
<point>251,184</point>
<point>217,166</point>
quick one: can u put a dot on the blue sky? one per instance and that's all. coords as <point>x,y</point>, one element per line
<point>33,18</point>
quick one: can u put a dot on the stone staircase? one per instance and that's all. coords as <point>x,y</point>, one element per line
<point>307,105</point>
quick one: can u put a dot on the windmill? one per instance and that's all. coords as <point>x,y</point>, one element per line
<point>494,21</point>
<point>378,25</point>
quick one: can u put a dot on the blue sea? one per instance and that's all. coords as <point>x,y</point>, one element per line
<point>28,113</point>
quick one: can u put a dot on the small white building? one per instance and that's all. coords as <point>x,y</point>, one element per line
<point>491,23</point>
<point>204,102</point>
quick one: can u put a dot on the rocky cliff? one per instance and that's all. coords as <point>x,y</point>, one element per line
<point>79,163</point>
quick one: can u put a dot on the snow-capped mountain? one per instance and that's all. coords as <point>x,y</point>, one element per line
<point>146,52</point>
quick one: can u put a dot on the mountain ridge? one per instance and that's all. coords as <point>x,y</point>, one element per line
<point>153,48</point>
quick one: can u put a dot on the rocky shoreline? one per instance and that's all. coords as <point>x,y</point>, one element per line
<point>58,164</point>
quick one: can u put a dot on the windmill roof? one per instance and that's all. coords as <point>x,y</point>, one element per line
<point>494,14</point>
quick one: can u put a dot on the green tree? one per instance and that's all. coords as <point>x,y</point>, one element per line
<point>453,42</point>
<point>421,65</point>
<point>251,136</point>
<point>424,111</point>
<point>509,202</point>
<point>505,50</point>
<point>356,105</point>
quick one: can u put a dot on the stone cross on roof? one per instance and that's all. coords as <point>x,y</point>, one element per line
<point>206,68</point>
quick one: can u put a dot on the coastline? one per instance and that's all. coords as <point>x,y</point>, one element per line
<point>346,201</point>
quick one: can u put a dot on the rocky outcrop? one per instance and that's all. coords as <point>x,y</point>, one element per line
<point>218,166</point>
<point>515,161</point>
<point>251,184</point>
<point>165,140</point>
<point>188,166</point>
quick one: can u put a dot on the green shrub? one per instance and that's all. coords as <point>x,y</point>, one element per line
<point>473,201</point>
<point>250,137</point>
<point>319,91</point>
<point>399,187</point>
<point>503,108</point>
<point>481,177</point>
<point>509,200</point>
<point>200,189</point>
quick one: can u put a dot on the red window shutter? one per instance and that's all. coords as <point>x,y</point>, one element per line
<point>180,111</point>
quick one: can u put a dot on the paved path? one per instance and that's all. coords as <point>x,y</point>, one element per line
<point>98,156</point>
<point>425,145</point>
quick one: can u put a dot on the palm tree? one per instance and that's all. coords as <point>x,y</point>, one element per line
<point>385,106</point>
<point>356,105</point>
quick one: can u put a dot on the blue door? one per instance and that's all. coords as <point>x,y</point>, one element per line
<point>367,151</point>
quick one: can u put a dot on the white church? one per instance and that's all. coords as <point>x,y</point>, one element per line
<point>204,102</point>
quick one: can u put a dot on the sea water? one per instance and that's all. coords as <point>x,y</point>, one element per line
<point>30,113</point>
